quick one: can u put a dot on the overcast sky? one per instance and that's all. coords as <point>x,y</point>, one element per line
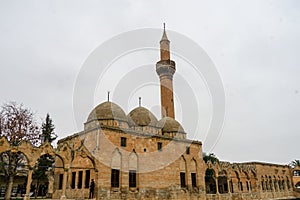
<point>253,44</point>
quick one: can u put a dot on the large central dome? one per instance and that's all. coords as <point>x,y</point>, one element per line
<point>107,111</point>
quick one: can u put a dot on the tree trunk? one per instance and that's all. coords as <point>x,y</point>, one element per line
<point>9,187</point>
<point>36,192</point>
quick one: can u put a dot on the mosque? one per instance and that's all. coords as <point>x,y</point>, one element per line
<point>137,156</point>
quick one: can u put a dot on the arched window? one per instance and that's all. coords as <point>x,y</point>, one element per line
<point>267,183</point>
<point>115,168</point>
<point>210,181</point>
<point>222,182</point>
<point>133,170</point>
<point>253,185</point>
<point>182,172</point>
<point>194,173</point>
<point>270,183</point>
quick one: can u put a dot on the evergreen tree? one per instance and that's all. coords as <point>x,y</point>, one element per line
<point>48,130</point>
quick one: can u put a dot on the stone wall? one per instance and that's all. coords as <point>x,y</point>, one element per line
<point>158,171</point>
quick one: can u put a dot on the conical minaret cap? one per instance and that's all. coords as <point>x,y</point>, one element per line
<point>164,36</point>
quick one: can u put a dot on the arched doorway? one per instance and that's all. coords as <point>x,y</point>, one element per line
<point>13,173</point>
<point>43,177</point>
<point>42,171</point>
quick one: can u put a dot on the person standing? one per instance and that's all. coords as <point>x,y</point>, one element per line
<point>92,188</point>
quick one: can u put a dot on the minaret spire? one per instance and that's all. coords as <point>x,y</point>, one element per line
<point>165,68</point>
<point>164,46</point>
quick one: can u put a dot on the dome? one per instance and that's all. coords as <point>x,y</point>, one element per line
<point>141,116</point>
<point>106,111</point>
<point>168,124</point>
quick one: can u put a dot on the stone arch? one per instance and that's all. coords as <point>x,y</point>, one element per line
<point>85,153</point>
<point>81,174</point>
<point>46,148</point>
<point>210,181</point>
<point>43,181</point>
<point>25,147</point>
<point>32,154</point>
<point>20,164</point>
<point>244,181</point>
<point>24,157</point>
<point>235,181</point>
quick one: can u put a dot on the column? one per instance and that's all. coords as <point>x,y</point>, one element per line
<point>63,195</point>
<point>83,178</point>
<point>29,179</point>
<point>217,185</point>
<point>69,181</point>
<point>229,185</point>
<point>96,184</point>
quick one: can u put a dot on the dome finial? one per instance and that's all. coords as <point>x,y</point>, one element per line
<point>140,101</point>
<point>108,92</point>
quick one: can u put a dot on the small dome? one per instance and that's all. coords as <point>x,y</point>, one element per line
<point>168,124</point>
<point>141,116</point>
<point>106,111</point>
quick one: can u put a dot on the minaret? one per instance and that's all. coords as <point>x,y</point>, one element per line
<point>165,68</point>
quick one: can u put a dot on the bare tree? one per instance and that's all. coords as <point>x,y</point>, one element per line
<point>16,124</point>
